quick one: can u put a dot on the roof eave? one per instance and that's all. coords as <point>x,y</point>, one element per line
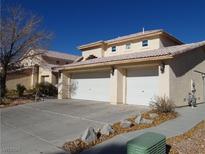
<point>90,45</point>
<point>118,62</point>
<point>172,37</point>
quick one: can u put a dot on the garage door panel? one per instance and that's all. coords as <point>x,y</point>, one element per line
<point>141,85</point>
<point>91,86</point>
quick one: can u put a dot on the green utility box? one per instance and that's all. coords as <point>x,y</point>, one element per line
<point>147,143</point>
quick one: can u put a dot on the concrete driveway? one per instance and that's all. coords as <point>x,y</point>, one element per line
<point>42,128</point>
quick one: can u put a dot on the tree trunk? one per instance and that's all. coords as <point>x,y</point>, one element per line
<point>3,76</point>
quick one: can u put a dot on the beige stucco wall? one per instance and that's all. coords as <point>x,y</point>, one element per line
<point>63,86</point>
<point>165,42</point>
<point>164,81</point>
<point>136,46</point>
<point>19,77</point>
<point>117,86</point>
<point>98,52</point>
<point>182,72</point>
<point>45,72</point>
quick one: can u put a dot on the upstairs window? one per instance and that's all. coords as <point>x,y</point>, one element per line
<point>128,46</point>
<point>113,48</point>
<point>57,62</point>
<point>144,43</point>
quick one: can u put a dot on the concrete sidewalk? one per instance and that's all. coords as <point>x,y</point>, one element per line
<point>188,118</point>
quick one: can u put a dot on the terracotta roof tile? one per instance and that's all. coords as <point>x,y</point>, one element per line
<point>172,51</point>
<point>60,55</point>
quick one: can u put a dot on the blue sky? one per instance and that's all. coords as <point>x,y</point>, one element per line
<point>76,22</point>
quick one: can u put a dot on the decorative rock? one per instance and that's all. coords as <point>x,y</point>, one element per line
<point>107,129</point>
<point>146,121</point>
<point>138,119</point>
<point>89,135</point>
<point>153,115</point>
<point>125,124</point>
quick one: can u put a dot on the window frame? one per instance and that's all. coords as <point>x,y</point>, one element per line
<point>128,46</point>
<point>145,44</point>
<point>113,48</point>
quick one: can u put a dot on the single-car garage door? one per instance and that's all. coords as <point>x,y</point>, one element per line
<point>91,86</point>
<point>142,85</point>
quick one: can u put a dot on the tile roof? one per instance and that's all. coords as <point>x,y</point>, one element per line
<point>170,51</point>
<point>60,55</point>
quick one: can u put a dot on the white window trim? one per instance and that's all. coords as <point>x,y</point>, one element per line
<point>147,43</point>
<point>128,46</point>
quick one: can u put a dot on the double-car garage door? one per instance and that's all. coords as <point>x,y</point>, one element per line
<point>141,85</point>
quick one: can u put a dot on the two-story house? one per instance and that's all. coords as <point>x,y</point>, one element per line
<point>38,66</point>
<point>135,68</point>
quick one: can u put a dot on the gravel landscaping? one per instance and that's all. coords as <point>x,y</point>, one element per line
<point>191,142</point>
<point>146,120</point>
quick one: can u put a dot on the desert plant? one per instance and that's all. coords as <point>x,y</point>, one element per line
<point>46,89</point>
<point>162,104</point>
<point>20,89</point>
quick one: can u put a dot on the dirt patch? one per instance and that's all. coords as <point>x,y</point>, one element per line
<point>191,142</point>
<point>14,102</point>
<point>77,145</point>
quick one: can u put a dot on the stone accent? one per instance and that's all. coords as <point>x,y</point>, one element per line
<point>89,135</point>
<point>125,124</point>
<point>107,129</point>
<point>138,119</point>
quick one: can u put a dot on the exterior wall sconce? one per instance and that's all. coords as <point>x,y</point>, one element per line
<point>112,70</point>
<point>162,67</point>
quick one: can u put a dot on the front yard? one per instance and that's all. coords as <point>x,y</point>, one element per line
<point>191,142</point>
<point>117,128</point>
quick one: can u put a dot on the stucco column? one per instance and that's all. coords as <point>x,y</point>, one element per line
<point>63,86</point>
<point>117,86</point>
<point>164,81</point>
<point>34,76</point>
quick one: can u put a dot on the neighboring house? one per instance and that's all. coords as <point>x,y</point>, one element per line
<point>133,69</point>
<point>38,68</point>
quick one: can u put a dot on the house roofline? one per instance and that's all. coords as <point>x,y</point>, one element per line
<point>129,38</point>
<point>117,62</point>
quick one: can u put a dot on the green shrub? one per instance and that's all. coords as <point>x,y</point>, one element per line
<point>46,89</point>
<point>20,89</point>
<point>162,104</point>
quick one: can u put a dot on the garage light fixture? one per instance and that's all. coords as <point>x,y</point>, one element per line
<point>162,66</point>
<point>112,70</point>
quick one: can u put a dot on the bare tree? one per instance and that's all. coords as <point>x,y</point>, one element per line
<point>19,33</point>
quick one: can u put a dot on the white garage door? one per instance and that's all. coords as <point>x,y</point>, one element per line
<point>91,86</point>
<point>142,85</point>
